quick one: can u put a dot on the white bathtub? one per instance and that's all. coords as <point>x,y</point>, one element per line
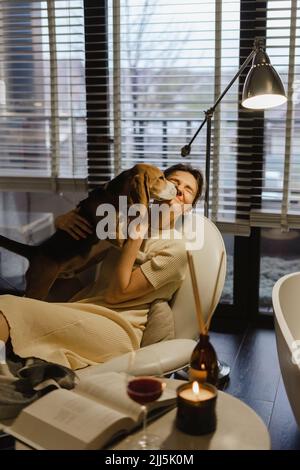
<point>286,304</point>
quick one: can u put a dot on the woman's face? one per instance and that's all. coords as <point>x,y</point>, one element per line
<point>187,188</point>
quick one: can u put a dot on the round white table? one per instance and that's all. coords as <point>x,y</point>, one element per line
<point>238,428</point>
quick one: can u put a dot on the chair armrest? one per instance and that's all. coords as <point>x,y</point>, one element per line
<point>173,354</point>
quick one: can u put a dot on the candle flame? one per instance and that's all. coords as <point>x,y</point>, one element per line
<point>195,388</point>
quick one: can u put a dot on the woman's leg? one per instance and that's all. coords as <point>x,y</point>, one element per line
<point>4,328</point>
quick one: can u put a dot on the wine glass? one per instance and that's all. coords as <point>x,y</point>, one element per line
<point>144,390</point>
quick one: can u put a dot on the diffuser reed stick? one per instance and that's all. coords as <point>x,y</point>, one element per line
<point>201,323</point>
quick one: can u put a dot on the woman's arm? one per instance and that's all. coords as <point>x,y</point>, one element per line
<point>78,227</point>
<point>128,284</point>
<point>75,225</point>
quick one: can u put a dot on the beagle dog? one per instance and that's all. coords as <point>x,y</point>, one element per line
<point>61,253</point>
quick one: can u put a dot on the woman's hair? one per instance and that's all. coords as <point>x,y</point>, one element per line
<point>193,171</point>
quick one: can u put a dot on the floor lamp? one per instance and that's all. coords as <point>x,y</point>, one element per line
<point>263,89</point>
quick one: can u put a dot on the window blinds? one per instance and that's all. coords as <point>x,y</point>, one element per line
<point>174,59</point>
<point>42,95</point>
<point>94,86</point>
<point>169,61</point>
<point>280,177</point>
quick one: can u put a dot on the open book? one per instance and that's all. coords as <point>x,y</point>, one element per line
<point>87,417</point>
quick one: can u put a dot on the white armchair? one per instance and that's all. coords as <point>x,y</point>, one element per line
<point>175,354</point>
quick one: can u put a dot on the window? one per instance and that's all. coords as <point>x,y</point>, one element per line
<point>90,87</point>
<point>169,61</point>
<point>42,95</point>
<point>280,252</point>
<point>280,175</point>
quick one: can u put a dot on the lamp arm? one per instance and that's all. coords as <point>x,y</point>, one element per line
<point>185,151</point>
<point>240,71</point>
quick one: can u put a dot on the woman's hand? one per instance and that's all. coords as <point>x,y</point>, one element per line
<point>75,225</point>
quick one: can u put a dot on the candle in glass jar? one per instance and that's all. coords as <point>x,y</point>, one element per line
<point>196,408</point>
<point>195,393</point>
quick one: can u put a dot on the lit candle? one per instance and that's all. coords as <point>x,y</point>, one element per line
<point>196,405</point>
<point>196,393</point>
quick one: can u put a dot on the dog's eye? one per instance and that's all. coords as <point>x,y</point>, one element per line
<point>161,177</point>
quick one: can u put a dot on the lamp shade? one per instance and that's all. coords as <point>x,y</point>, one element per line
<point>263,87</point>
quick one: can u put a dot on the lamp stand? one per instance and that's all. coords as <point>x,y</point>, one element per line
<point>224,369</point>
<point>185,151</point>
<point>208,116</point>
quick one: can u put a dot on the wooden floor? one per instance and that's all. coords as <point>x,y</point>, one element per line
<point>255,379</point>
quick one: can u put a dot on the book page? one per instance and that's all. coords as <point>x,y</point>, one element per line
<point>65,420</point>
<point>110,388</point>
<point>85,418</point>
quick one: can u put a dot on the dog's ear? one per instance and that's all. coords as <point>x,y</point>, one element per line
<point>139,191</point>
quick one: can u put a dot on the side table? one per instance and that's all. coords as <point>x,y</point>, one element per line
<point>238,428</point>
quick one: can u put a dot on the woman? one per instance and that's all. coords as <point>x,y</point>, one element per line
<point>107,318</point>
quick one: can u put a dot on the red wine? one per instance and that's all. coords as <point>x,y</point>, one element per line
<point>144,389</point>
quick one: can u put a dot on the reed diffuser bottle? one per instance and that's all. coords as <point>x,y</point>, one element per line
<point>204,362</point>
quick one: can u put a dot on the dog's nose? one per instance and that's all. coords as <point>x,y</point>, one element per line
<point>173,188</point>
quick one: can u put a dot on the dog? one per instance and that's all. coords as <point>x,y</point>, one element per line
<point>61,253</point>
